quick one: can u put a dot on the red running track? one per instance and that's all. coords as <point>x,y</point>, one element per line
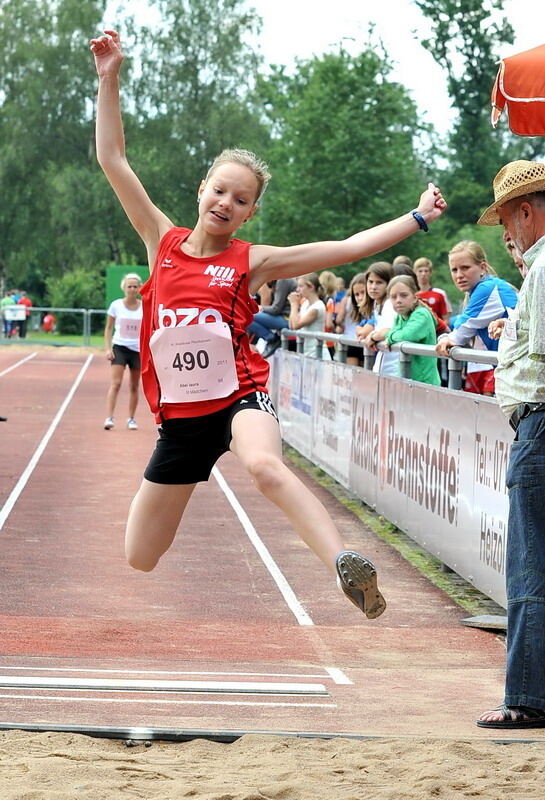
<point>76,621</point>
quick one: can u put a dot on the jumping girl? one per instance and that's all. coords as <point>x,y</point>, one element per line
<point>207,389</point>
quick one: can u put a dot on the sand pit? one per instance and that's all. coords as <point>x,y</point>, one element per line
<point>55,766</point>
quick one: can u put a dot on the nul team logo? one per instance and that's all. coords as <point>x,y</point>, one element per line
<point>221,276</point>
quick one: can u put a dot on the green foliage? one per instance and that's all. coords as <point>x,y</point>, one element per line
<point>79,288</point>
<point>343,154</point>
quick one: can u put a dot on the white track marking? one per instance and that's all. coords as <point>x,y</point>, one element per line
<point>231,674</point>
<point>338,676</point>
<point>285,589</point>
<point>29,469</point>
<point>189,687</point>
<point>18,364</point>
<point>73,699</point>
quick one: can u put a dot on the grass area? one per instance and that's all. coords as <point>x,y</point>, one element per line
<point>458,589</point>
<point>55,339</point>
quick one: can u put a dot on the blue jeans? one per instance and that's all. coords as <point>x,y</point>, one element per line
<point>264,325</point>
<point>525,566</point>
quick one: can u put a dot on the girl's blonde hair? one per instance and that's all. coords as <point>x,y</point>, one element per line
<point>329,282</point>
<point>476,252</point>
<point>245,158</point>
<point>313,280</point>
<point>407,280</point>
<point>130,276</point>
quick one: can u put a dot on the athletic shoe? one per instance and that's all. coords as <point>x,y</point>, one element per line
<point>357,578</point>
<point>109,423</point>
<point>132,425</point>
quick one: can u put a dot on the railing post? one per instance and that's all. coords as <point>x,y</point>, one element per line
<point>319,349</point>
<point>368,358</point>
<point>404,364</point>
<point>86,327</point>
<point>301,344</point>
<point>454,374</point>
<point>285,340</point>
<point>342,350</point>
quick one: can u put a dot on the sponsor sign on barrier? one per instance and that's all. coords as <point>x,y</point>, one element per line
<point>431,460</point>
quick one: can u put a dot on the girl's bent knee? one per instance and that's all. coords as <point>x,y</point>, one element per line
<point>268,473</point>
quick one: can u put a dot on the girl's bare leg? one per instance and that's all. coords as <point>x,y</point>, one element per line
<point>256,441</point>
<point>115,385</point>
<point>134,380</point>
<point>154,517</point>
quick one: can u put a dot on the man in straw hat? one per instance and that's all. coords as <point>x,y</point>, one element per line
<point>519,205</point>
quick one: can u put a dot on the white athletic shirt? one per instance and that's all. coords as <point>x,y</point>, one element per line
<point>311,345</point>
<point>386,363</point>
<point>119,311</point>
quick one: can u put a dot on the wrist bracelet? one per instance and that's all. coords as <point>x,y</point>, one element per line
<point>422,224</point>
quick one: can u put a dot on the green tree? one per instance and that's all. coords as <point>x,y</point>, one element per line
<point>194,97</point>
<point>79,288</point>
<point>343,154</point>
<point>45,83</point>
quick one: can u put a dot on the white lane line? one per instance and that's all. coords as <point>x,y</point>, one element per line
<point>29,469</point>
<point>73,699</point>
<point>179,672</point>
<point>338,676</point>
<point>190,687</point>
<point>285,589</point>
<point>18,364</point>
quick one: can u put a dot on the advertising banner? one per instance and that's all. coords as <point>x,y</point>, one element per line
<point>431,460</point>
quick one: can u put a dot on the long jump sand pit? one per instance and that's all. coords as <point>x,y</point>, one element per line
<point>55,766</point>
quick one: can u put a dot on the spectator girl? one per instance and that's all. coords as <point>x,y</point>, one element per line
<point>122,341</point>
<point>414,322</point>
<point>205,278</point>
<point>349,317</point>
<point>328,281</point>
<point>308,312</point>
<point>379,315</point>
<point>487,299</point>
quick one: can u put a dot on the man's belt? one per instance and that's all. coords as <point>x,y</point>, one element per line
<point>522,411</point>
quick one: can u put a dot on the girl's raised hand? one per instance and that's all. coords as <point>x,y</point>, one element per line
<point>108,53</point>
<point>432,203</point>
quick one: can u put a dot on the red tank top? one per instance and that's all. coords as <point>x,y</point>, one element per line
<point>178,290</point>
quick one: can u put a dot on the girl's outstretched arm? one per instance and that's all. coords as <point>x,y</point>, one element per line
<point>269,262</point>
<point>148,220</point>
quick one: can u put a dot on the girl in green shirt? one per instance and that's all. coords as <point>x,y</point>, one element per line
<point>414,322</point>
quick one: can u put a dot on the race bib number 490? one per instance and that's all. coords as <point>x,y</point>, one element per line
<point>194,362</point>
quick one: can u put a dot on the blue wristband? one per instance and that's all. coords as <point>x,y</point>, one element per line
<point>420,220</point>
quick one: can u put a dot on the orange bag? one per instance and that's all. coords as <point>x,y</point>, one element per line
<point>520,83</point>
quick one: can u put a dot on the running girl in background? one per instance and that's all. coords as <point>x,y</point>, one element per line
<point>207,389</point>
<point>414,322</point>
<point>122,341</point>
<point>308,312</point>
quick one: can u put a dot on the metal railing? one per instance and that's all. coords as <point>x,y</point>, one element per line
<point>455,361</point>
<point>33,325</point>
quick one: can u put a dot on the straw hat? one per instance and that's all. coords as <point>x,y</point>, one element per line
<point>514,180</point>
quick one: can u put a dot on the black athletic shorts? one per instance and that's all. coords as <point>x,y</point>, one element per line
<point>125,357</point>
<point>188,447</point>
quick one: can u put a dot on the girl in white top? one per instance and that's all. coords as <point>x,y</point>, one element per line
<point>307,312</point>
<point>122,341</point>
<point>379,312</point>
